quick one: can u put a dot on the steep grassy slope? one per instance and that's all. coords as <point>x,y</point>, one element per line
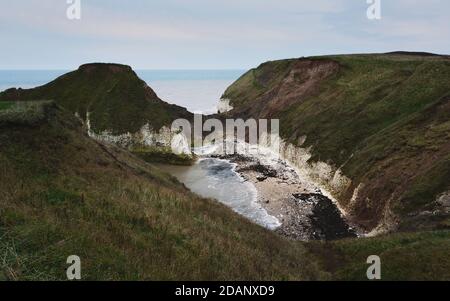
<point>63,193</point>
<point>404,256</point>
<point>115,97</point>
<point>384,120</point>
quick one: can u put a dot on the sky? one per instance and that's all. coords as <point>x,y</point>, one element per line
<point>211,34</point>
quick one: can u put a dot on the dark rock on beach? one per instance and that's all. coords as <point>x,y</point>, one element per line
<point>327,219</point>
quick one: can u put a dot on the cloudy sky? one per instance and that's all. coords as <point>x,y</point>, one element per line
<point>211,34</point>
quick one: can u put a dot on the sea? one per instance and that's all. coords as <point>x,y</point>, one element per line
<point>217,179</point>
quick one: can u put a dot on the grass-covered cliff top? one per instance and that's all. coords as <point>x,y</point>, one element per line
<point>383,118</point>
<point>116,98</point>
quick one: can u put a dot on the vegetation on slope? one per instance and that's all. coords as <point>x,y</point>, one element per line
<point>5,105</point>
<point>64,194</point>
<point>115,97</point>
<point>404,256</point>
<point>383,119</point>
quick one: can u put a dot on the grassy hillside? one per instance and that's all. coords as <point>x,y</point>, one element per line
<point>404,256</point>
<point>64,193</point>
<point>115,97</point>
<point>383,119</point>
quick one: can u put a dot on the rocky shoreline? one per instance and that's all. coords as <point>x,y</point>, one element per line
<point>304,212</point>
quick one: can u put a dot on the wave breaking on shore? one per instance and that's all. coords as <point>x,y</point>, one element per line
<point>304,210</point>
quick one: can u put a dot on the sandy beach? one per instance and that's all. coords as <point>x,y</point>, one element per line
<point>304,212</point>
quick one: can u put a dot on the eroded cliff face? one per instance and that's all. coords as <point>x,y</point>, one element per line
<point>338,187</point>
<point>145,137</point>
<point>372,130</point>
<point>272,87</point>
<point>299,83</point>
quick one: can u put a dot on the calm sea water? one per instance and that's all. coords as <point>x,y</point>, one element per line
<point>217,179</point>
<point>197,90</point>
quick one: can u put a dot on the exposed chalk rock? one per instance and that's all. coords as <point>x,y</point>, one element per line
<point>146,136</point>
<point>444,200</point>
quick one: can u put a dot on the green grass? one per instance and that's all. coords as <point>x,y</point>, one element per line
<point>367,96</point>
<point>5,105</point>
<point>23,112</point>
<point>404,256</point>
